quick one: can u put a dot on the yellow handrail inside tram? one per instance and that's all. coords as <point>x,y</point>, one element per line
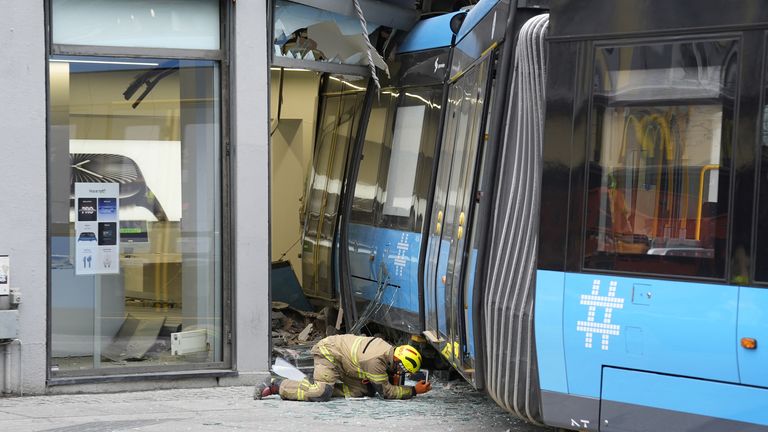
<point>704,170</point>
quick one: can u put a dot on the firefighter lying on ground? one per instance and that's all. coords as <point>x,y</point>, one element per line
<point>351,366</point>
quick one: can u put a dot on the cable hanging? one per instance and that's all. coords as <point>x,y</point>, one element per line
<point>370,49</point>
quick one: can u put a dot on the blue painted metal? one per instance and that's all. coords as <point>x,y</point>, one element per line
<point>398,251</point>
<point>440,286</point>
<point>469,301</point>
<point>680,328</point>
<point>474,16</point>
<point>753,323</point>
<point>707,398</point>
<point>429,34</point>
<point>473,42</point>
<point>548,316</point>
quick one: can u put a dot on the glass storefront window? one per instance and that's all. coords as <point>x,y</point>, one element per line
<point>188,24</point>
<point>135,219</point>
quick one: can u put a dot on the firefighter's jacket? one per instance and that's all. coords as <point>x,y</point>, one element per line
<point>367,359</point>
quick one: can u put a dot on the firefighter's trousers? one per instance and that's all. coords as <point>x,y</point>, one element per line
<point>323,386</point>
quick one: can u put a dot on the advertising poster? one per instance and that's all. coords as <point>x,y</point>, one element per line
<point>97,242</point>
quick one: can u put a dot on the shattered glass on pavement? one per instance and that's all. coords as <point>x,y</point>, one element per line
<point>451,406</point>
<point>454,405</point>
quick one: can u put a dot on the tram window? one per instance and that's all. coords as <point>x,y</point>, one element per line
<point>402,162</point>
<point>761,244</point>
<point>379,131</point>
<point>406,160</point>
<point>658,178</point>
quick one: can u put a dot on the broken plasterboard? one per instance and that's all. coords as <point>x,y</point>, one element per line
<point>333,43</point>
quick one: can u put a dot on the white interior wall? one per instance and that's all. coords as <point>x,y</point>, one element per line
<point>291,155</point>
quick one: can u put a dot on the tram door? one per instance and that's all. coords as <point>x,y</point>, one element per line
<point>450,261</point>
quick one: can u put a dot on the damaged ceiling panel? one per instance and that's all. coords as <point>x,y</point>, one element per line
<point>330,31</point>
<point>350,49</point>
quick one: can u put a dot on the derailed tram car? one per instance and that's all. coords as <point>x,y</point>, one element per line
<point>650,283</point>
<point>417,209</point>
<point>564,198</point>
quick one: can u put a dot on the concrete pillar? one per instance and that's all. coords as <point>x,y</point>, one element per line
<point>250,152</point>
<point>23,180</point>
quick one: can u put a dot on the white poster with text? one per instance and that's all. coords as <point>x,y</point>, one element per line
<point>97,236</point>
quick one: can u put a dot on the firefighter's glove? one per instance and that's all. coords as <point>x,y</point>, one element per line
<point>422,387</point>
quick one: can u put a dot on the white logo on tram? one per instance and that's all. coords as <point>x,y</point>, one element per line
<point>609,303</point>
<point>402,254</point>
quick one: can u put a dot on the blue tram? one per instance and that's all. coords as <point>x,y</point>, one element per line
<point>564,198</point>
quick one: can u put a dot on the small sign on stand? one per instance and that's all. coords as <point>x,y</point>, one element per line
<point>97,242</point>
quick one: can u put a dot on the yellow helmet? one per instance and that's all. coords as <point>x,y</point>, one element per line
<point>409,357</point>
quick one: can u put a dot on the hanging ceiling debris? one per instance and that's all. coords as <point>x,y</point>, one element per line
<point>336,32</point>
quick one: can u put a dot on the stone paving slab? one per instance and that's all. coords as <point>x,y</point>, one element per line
<point>453,406</point>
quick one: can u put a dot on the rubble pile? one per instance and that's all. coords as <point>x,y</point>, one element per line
<point>292,326</point>
<point>294,332</point>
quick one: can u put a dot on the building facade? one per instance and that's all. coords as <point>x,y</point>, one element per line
<point>134,235</point>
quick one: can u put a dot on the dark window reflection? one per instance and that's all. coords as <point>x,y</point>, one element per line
<point>658,173</point>
<point>761,245</point>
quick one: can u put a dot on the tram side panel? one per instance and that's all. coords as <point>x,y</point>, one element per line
<point>390,192</point>
<point>636,326</point>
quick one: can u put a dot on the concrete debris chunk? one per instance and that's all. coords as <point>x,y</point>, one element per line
<point>278,305</point>
<point>291,326</point>
<point>304,335</point>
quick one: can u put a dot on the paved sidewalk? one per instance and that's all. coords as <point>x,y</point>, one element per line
<point>449,407</point>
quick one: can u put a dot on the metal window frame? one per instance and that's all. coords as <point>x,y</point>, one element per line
<point>586,99</point>
<point>221,54</point>
<point>324,67</point>
<point>108,51</point>
<point>226,367</point>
